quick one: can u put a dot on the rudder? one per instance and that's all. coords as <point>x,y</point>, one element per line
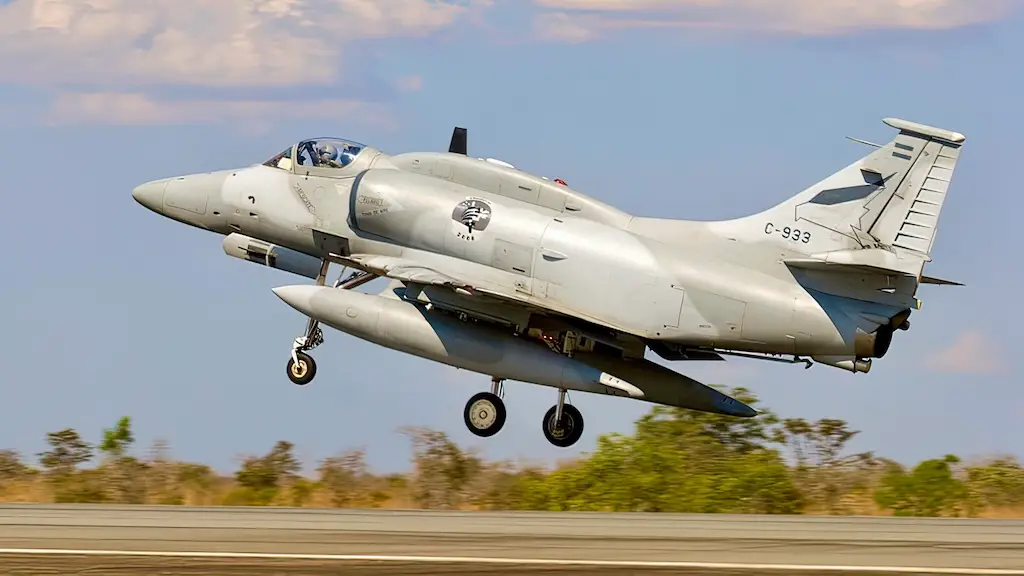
<point>910,219</point>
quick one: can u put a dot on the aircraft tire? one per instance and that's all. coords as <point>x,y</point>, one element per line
<point>571,429</point>
<point>484,414</point>
<point>302,373</point>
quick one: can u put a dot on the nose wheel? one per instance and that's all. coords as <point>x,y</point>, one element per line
<point>301,369</point>
<point>301,366</point>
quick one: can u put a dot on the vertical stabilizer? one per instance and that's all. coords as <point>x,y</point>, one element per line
<point>889,200</point>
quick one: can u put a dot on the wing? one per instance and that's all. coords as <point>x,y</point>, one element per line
<point>479,297</point>
<point>410,280</point>
<point>412,272</point>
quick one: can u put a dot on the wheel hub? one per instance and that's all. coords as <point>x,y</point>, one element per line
<point>299,369</point>
<point>483,414</point>
<point>560,430</point>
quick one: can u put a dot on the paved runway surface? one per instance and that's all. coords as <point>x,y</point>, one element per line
<point>38,539</point>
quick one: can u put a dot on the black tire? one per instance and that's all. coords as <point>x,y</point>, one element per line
<point>302,373</point>
<point>484,414</point>
<point>571,429</point>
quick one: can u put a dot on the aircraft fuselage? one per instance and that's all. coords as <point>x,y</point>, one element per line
<point>672,281</point>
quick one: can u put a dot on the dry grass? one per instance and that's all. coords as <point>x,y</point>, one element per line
<point>1016,512</point>
<point>37,490</point>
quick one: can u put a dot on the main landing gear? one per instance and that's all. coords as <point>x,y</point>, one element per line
<point>485,416</point>
<point>301,366</point>
<point>563,423</point>
<point>485,412</point>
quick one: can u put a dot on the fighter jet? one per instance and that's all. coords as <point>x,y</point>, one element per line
<point>518,277</point>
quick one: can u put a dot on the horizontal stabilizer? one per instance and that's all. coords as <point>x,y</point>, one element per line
<point>869,261</point>
<point>864,261</point>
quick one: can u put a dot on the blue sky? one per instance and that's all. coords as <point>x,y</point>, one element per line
<point>659,108</point>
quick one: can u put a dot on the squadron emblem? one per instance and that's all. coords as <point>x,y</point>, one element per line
<point>474,214</point>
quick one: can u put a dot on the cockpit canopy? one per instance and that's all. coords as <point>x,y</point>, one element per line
<point>317,153</point>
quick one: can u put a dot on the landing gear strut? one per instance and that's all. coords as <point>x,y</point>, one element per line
<point>563,423</point>
<point>301,366</point>
<point>485,412</point>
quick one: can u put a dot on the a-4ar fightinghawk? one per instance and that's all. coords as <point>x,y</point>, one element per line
<point>514,276</point>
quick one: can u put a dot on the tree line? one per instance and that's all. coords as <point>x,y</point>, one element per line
<point>674,461</point>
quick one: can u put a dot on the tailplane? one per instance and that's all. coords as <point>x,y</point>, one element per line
<point>887,203</point>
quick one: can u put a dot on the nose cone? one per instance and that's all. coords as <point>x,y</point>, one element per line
<point>151,195</point>
<point>298,296</point>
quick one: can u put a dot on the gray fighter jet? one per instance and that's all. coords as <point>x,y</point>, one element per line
<point>518,277</point>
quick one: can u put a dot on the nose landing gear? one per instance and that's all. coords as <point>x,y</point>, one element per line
<point>301,366</point>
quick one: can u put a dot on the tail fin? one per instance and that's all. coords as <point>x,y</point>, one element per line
<point>890,200</point>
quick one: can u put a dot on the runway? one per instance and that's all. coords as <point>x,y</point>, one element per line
<point>254,541</point>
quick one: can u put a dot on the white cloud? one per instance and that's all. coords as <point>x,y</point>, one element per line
<point>137,109</point>
<point>970,353</point>
<point>221,43</point>
<point>804,17</point>
<point>564,27</point>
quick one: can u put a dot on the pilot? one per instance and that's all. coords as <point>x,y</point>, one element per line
<point>328,154</point>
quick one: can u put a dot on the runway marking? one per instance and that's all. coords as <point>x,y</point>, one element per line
<point>521,561</point>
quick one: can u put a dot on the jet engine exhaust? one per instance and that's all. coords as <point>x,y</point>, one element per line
<point>875,344</point>
<point>406,327</point>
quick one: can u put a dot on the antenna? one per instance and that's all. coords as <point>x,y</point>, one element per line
<point>458,142</point>
<point>859,141</point>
